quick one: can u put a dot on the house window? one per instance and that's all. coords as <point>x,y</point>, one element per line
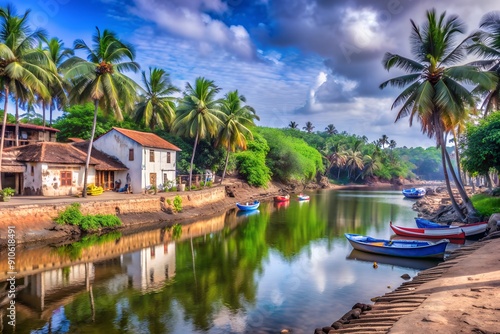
<point>66,178</point>
<point>168,157</point>
<point>131,154</point>
<point>151,156</point>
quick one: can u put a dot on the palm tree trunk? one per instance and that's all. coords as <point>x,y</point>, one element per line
<point>446,177</point>
<point>225,165</point>
<point>192,159</point>
<point>4,125</point>
<point>43,117</point>
<point>16,134</point>
<point>50,111</point>
<point>89,151</point>
<point>457,157</point>
<point>463,194</point>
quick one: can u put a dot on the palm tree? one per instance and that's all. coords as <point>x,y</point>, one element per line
<point>392,144</point>
<point>331,130</point>
<point>57,54</point>
<point>100,79</point>
<point>293,125</point>
<point>156,105</point>
<point>354,159</point>
<point>336,157</point>
<point>309,127</point>
<point>384,140</point>
<point>198,114</point>
<point>236,128</point>
<point>434,91</point>
<point>21,63</point>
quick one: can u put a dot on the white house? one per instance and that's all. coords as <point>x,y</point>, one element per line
<point>150,159</point>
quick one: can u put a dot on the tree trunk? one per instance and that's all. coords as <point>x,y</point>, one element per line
<point>51,101</point>
<point>43,118</point>
<point>16,134</point>
<point>192,159</point>
<point>454,203</point>
<point>457,157</point>
<point>489,183</point>
<point>89,151</point>
<point>463,194</point>
<point>4,125</point>
<point>225,166</point>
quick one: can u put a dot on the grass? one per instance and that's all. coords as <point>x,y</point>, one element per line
<point>486,205</point>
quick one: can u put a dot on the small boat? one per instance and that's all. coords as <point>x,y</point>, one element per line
<point>402,248</point>
<point>403,262</point>
<point>429,233</point>
<point>302,197</point>
<point>414,192</point>
<point>282,198</point>
<point>247,206</point>
<point>470,230</point>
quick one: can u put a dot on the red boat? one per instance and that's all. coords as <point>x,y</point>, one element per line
<point>429,233</point>
<point>285,198</point>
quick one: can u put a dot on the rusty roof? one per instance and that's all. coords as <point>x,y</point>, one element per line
<point>104,161</point>
<point>147,139</point>
<point>9,162</point>
<point>33,126</point>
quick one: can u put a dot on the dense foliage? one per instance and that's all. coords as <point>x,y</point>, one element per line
<point>88,223</point>
<point>251,163</point>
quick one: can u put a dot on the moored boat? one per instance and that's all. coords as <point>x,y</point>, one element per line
<point>401,248</point>
<point>281,198</point>
<point>470,230</point>
<point>302,197</point>
<point>429,233</point>
<point>414,192</point>
<point>248,206</point>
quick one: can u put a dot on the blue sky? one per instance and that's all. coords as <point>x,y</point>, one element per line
<point>294,60</point>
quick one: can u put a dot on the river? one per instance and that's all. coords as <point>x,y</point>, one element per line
<point>285,266</point>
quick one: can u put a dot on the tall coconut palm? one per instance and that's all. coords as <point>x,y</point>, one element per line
<point>354,159</point>
<point>57,53</point>
<point>384,140</point>
<point>21,63</point>
<point>198,114</point>
<point>235,130</point>
<point>392,144</point>
<point>100,79</point>
<point>293,125</point>
<point>434,88</point>
<point>331,130</point>
<point>156,106</point>
<point>309,127</point>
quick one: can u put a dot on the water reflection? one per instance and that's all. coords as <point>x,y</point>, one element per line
<point>278,267</point>
<point>420,264</point>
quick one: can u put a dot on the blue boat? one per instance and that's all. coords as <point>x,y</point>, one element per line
<point>401,248</point>
<point>414,192</point>
<point>470,230</point>
<point>247,206</point>
<point>424,223</point>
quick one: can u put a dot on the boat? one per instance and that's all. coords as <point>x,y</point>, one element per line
<point>401,248</point>
<point>302,197</point>
<point>403,262</point>
<point>470,230</point>
<point>247,206</point>
<point>281,198</point>
<point>414,192</point>
<point>429,233</point>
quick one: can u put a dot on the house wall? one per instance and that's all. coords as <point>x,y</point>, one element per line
<point>118,145</point>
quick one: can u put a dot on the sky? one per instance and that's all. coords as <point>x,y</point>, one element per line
<point>294,60</point>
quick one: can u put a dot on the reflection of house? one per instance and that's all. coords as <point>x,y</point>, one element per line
<point>151,160</point>
<point>151,266</point>
<point>28,134</point>
<point>54,169</point>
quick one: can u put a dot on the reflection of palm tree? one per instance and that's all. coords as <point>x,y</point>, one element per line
<point>434,91</point>
<point>100,79</point>
<point>293,125</point>
<point>309,127</point>
<point>156,106</point>
<point>198,114</point>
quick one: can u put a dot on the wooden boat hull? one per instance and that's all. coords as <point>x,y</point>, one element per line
<point>470,230</point>
<point>429,233</point>
<point>414,192</point>
<point>400,248</point>
<point>248,207</point>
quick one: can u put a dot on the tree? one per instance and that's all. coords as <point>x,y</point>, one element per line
<point>433,86</point>
<point>384,140</point>
<point>235,130</point>
<point>21,63</point>
<point>198,114</point>
<point>392,144</point>
<point>156,106</point>
<point>331,130</point>
<point>354,159</point>
<point>293,125</point>
<point>100,79</point>
<point>309,127</point>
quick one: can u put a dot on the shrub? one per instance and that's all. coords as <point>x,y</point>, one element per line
<point>209,183</point>
<point>173,189</point>
<point>87,223</point>
<point>178,203</point>
<point>71,215</point>
<point>7,192</point>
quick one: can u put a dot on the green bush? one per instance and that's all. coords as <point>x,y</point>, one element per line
<point>71,215</point>
<point>173,189</point>
<point>209,183</point>
<point>486,205</point>
<point>87,223</point>
<point>7,192</point>
<point>178,203</point>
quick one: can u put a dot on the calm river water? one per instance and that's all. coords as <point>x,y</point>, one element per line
<point>282,267</point>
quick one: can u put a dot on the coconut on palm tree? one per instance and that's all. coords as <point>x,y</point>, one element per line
<point>156,106</point>
<point>198,115</point>
<point>21,65</point>
<point>433,86</point>
<point>100,79</point>
<point>235,130</point>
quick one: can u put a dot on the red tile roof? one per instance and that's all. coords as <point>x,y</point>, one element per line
<point>33,126</point>
<point>148,139</point>
<point>104,161</point>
